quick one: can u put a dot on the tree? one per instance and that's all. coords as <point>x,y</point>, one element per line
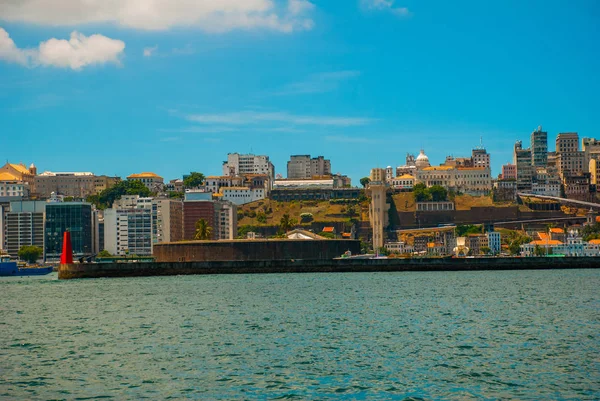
<point>438,193</point>
<point>203,230</point>
<point>485,250</point>
<point>306,217</point>
<point>104,254</point>
<point>365,181</point>
<point>286,223</point>
<point>106,198</point>
<point>30,253</point>
<point>193,180</point>
<point>421,193</point>
<point>539,251</point>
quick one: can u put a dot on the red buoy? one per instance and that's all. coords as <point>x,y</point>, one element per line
<point>67,249</point>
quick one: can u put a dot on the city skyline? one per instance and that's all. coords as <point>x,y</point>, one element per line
<point>369,79</point>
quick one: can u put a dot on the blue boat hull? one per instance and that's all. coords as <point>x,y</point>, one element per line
<point>11,269</point>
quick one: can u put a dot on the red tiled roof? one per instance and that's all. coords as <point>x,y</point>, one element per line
<point>328,229</point>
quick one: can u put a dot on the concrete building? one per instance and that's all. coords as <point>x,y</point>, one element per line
<point>570,158</point>
<point>76,217</point>
<point>221,216</point>
<point>169,220</point>
<point>238,164</point>
<point>378,210</point>
<point>153,182</point>
<point>594,168</point>
<point>481,158</point>
<point>75,184</point>
<point>505,190</point>
<point>509,172</point>
<point>24,225</point>
<point>128,231</point>
<point>20,172</point>
<point>539,148</point>
<point>545,182</point>
<point>522,159</point>
<point>303,167</point>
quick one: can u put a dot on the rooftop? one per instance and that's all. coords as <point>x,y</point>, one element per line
<point>144,175</point>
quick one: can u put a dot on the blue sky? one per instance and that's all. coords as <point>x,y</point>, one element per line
<point>176,86</point>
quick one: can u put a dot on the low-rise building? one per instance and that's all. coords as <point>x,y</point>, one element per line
<point>505,190</point>
<point>242,195</point>
<point>434,206</point>
<point>11,188</point>
<point>220,216</point>
<point>404,182</point>
<point>574,246</point>
<point>152,181</point>
<point>74,184</point>
<point>24,225</point>
<point>509,172</point>
<point>494,242</point>
<point>469,180</point>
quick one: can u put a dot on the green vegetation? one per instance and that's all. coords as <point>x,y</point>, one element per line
<point>106,198</point>
<point>193,180</point>
<point>287,223</point>
<point>30,253</point>
<point>365,181</point>
<point>104,254</point>
<point>203,231</point>
<point>485,250</point>
<point>176,195</point>
<point>245,229</point>
<point>514,240</point>
<point>464,230</point>
<point>591,232</point>
<point>435,193</point>
<point>306,217</point>
<point>327,235</point>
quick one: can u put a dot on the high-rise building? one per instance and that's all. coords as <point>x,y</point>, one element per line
<point>238,164</point>
<point>539,148</point>
<point>75,217</point>
<point>378,210</point>
<point>128,231</point>
<point>303,167</point>
<point>522,159</point>
<point>169,220</point>
<point>481,158</point>
<point>24,225</point>
<point>570,158</point>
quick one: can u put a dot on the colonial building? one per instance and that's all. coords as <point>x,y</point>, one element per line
<point>153,182</point>
<point>20,172</point>
<point>75,184</point>
<point>469,180</point>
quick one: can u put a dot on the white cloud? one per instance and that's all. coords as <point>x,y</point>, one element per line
<point>256,117</point>
<point>385,5</point>
<point>149,51</point>
<point>208,15</point>
<point>318,83</point>
<point>77,52</point>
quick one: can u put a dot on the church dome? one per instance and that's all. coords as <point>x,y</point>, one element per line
<point>422,160</point>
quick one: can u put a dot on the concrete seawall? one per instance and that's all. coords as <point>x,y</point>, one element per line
<point>97,270</point>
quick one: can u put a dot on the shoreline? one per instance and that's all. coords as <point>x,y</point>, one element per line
<point>102,270</point>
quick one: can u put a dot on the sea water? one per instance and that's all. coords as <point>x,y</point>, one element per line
<point>438,335</point>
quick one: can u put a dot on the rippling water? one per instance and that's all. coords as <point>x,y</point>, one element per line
<point>442,335</point>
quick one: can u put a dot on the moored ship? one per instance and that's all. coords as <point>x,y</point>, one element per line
<point>10,268</point>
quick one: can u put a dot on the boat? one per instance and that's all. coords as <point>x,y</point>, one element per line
<point>8,268</point>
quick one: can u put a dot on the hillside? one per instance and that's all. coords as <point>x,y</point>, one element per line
<point>269,213</point>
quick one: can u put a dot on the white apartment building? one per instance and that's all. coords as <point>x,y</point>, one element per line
<point>214,183</point>
<point>128,231</point>
<point>238,164</point>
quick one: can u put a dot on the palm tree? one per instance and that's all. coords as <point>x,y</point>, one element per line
<point>286,223</point>
<point>203,230</point>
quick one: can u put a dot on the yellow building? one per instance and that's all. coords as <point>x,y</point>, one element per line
<point>20,172</point>
<point>153,182</point>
